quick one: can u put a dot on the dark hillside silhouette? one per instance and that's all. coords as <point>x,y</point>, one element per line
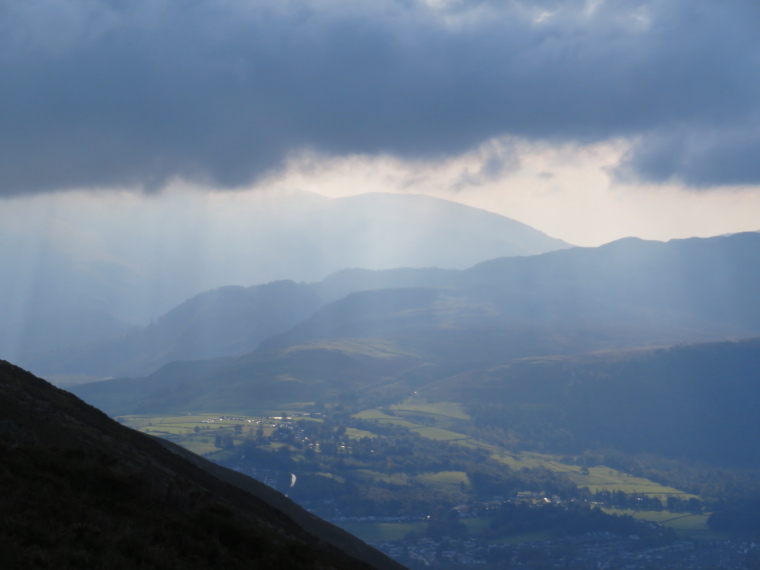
<point>81,491</point>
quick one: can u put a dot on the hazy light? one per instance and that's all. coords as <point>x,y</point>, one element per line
<point>568,192</point>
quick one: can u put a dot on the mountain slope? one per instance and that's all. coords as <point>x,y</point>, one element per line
<point>407,230</point>
<point>90,259</point>
<point>707,279</point>
<point>265,378</point>
<point>222,322</point>
<point>626,294</point>
<point>83,491</point>
<point>697,401</point>
<point>649,292</point>
<point>225,321</point>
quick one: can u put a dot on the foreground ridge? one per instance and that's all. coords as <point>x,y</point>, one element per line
<point>83,491</point>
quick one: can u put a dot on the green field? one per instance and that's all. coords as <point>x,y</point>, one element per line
<point>444,480</point>
<point>188,420</point>
<point>436,417</point>
<point>200,446</point>
<point>597,479</point>
<point>439,434</point>
<point>196,432</point>
<point>444,409</point>
<point>388,531</point>
<point>606,479</point>
<point>358,433</point>
<point>381,416</point>
<point>442,414</point>
<point>381,531</point>
<point>685,523</point>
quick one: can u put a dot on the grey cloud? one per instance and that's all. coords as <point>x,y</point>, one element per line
<point>701,157</point>
<point>103,94</point>
<point>498,159</point>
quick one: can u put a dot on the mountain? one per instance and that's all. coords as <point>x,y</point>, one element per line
<point>405,230</point>
<point>225,321</point>
<point>82,271</point>
<point>83,491</point>
<point>629,293</point>
<point>697,402</point>
<point>626,293</point>
<point>708,280</point>
<point>261,379</point>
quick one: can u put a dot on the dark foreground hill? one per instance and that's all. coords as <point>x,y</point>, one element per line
<point>81,491</point>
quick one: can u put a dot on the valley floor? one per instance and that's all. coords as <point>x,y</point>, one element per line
<point>412,481</point>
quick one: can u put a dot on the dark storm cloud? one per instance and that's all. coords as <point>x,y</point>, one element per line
<point>111,93</point>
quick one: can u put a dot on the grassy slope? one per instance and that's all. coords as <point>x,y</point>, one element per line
<point>693,401</point>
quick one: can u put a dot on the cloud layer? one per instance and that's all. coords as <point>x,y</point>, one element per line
<point>137,93</point>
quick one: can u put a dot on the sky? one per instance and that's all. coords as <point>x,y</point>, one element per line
<point>590,120</point>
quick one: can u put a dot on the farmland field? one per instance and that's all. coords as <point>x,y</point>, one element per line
<point>382,416</point>
<point>447,480</point>
<point>382,531</point>
<point>684,523</point>
<point>445,409</point>
<point>438,433</point>
<point>201,433</point>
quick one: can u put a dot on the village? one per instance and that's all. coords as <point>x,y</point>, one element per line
<point>642,545</point>
<point>594,550</point>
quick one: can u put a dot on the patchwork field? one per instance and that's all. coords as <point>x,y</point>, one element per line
<point>439,434</point>
<point>199,432</point>
<point>441,414</point>
<point>443,409</point>
<point>445,480</point>
<point>684,523</point>
<point>373,531</point>
<point>379,415</point>
<point>381,531</point>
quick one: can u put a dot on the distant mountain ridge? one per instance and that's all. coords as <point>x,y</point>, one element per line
<point>78,276</point>
<point>222,322</point>
<point>627,293</point>
<point>385,342</point>
<point>409,230</point>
